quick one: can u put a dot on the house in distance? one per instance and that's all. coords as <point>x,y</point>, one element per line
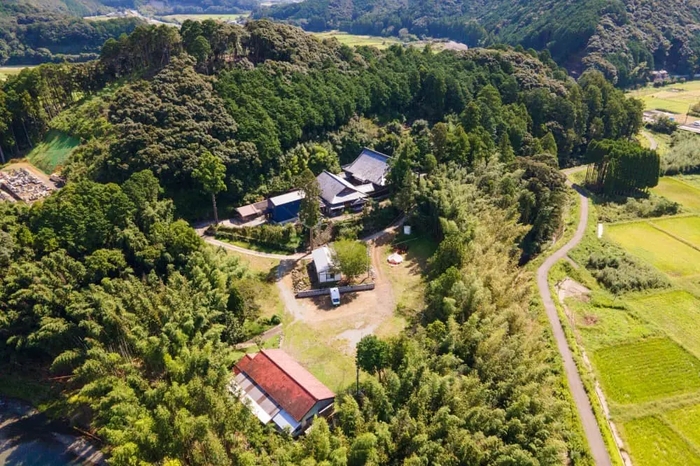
<point>278,389</point>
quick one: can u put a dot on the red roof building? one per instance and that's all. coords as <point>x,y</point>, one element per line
<point>279,389</point>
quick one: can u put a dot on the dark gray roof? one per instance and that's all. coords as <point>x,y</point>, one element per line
<point>370,166</point>
<point>336,190</point>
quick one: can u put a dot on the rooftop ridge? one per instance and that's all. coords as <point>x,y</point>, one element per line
<point>265,351</point>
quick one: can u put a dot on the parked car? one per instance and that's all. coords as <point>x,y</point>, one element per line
<point>335,296</point>
<point>696,123</point>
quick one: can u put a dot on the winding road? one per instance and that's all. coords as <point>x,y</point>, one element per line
<point>652,142</point>
<point>583,404</point>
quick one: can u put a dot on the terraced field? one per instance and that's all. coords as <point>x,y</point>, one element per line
<point>657,248</point>
<point>645,347</point>
<point>677,313</point>
<point>653,443</point>
<point>646,370</point>
<point>679,191</point>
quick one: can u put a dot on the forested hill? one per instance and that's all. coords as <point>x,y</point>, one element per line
<point>110,297</point>
<point>41,31</point>
<point>623,38</point>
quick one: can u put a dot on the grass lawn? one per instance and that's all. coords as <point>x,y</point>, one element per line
<point>219,17</point>
<point>687,422</point>
<point>687,228</point>
<point>679,191</point>
<point>652,443</point>
<point>53,151</point>
<point>677,313</point>
<point>325,360</point>
<point>256,246</point>
<point>601,327</point>
<point>407,278</point>
<point>674,98</point>
<point>656,247</point>
<point>357,40</point>
<point>646,370</point>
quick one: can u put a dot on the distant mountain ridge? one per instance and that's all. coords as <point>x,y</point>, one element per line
<point>622,38</point>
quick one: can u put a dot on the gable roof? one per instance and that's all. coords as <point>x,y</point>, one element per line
<point>322,259</point>
<point>370,166</point>
<point>336,190</point>
<point>294,388</point>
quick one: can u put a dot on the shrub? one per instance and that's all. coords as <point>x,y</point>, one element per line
<point>619,272</point>
<point>683,157</point>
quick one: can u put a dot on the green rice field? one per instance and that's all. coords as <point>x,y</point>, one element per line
<point>686,228</point>
<point>657,248</point>
<point>653,443</point>
<point>677,190</point>
<point>356,40</point>
<point>53,151</point>
<point>685,421</point>
<point>674,98</point>
<point>646,370</point>
<point>675,312</point>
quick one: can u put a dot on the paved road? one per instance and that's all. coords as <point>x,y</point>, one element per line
<point>652,142</point>
<point>590,426</point>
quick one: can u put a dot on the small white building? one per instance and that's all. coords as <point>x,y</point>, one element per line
<point>326,270</point>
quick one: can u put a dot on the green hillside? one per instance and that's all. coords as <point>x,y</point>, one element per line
<point>623,38</point>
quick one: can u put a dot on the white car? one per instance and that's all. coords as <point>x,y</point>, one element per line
<point>696,123</point>
<point>335,296</point>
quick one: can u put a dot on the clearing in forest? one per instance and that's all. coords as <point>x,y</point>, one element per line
<point>53,151</point>
<point>675,189</point>
<point>657,248</point>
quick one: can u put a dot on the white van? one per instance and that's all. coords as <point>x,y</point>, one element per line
<point>335,296</point>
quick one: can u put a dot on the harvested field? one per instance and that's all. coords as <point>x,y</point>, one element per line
<point>646,370</point>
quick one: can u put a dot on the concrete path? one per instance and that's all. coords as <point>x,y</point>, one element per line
<point>652,142</point>
<point>583,404</point>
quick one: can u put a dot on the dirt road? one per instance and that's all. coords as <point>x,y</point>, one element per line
<point>590,426</point>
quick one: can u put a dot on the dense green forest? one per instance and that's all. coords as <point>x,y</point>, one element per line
<point>31,34</point>
<point>105,288</point>
<point>622,38</point>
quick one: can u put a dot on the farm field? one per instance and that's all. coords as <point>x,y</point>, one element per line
<point>686,228</point>
<point>653,443</point>
<point>357,40</point>
<point>674,98</point>
<point>53,151</point>
<point>6,71</point>
<point>218,17</point>
<point>646,370</point>
<point>657,248</point>
<point>644,347</point>
<point>675,312</point>
<point>677,190</point>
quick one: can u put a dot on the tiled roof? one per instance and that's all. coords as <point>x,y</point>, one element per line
<point>370,166</point>
<point>336,190</point>
<point>294,388</point>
